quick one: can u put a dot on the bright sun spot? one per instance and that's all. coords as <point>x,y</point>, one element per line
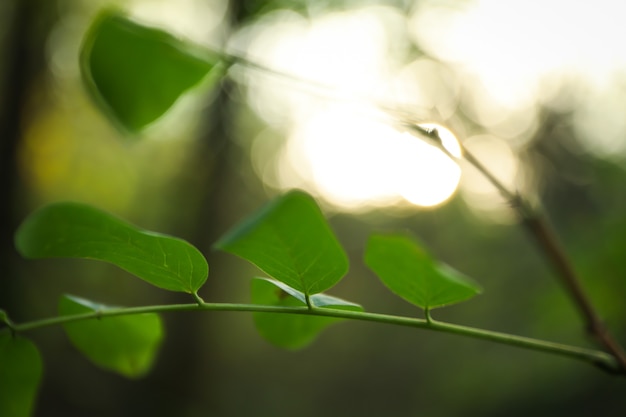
<point>353,162</point>
<point>497,63</point>
<point>344,150</point>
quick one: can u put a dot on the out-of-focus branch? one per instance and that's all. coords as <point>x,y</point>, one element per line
<point>545,238</point>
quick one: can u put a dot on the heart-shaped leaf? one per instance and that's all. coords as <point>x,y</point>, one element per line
<point>292,331</point>
<point>76,230</point>
<point>124,344</point>
<point>137,72</point>
<point>408,270</point>
<point>291,241</point>
<point>20,375</point>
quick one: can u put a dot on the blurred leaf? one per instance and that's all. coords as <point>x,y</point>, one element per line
<point>136,72</point>
<point>4,317</point>
<point>291,241</point>
<point>410,272</point>
<point>292,331</point>
<point>124,344</point>
<point>79,231</point>
<point>20,374</point>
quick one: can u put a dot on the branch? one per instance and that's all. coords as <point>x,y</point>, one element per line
<point>601,359</point>
<point>539,228</point>
<point>546,239</point>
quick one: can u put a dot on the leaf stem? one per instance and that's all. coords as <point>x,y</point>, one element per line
<point>198,299</point>
<point>598,358</point>
<point>309,302</point>
<point>4,318</point>
<point>429,318</point>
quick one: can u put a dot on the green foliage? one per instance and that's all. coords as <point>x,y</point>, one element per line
<point>127,344</point>
<point>20,374</point>
<point>80,231</point>
<point>136,73</point>
<point>290,240</point>
<point>292,331</point>
<point>410,272</point>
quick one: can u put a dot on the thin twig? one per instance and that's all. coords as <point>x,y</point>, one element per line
<point>539,228</point>
<point>545,237</point>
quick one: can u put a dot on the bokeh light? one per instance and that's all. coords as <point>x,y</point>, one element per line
<point>339,145</point>
<point>492,65</point>
<point>515,56</point>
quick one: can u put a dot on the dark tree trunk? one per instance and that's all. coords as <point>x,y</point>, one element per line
<point>27,26</point>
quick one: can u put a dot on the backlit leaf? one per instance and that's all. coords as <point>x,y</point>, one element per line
<point>79,231</point>
<point>408,270</point>
<point>137,72</point>
<point>20,375</point>
<point>291,241</point>
<point>292,331</point>
<point>124,344</point>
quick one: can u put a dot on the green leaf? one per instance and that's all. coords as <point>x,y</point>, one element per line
<point>409,271</point>
<point>79,231</point>
<point>291,241</point>
<point>20,375</point>
<point>136,73</point>
<point>292,331</point>
<point>124,344</point>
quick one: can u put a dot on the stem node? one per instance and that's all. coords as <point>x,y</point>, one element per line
<point>198,299</point>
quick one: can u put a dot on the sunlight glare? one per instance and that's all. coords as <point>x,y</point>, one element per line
<point>516,55</point>
<point>427,176</point>
<point>510,44</point>
<point>338,146</point>
<point>356,162</point>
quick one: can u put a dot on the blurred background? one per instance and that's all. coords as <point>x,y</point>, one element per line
<point>537,90</point>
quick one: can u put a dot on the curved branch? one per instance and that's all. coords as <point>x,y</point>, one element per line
<point>601,359</point>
